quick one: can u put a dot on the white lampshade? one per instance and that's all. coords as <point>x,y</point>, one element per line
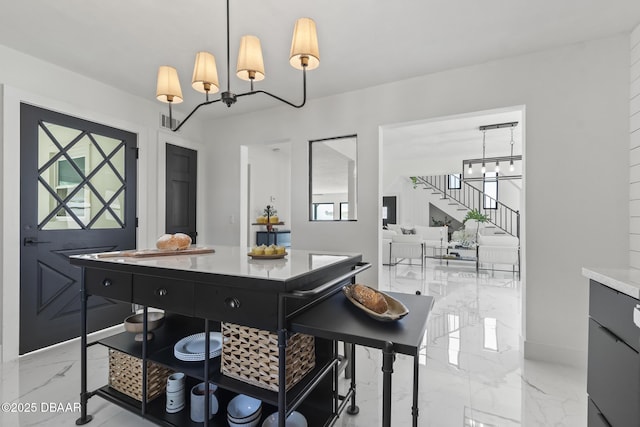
<point>304,44</point>
<point>205,73</point>
<point>250,59</point>
<point>168,87</point>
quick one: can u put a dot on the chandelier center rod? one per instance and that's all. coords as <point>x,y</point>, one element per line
<point>228,53</point>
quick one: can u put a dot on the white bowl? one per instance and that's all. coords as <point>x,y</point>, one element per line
<point>253,423</point>
<point>296,419</point>
<point>242,407</point>
<point>243,421</point>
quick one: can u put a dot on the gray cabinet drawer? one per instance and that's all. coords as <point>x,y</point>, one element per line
<point>614,311</point>
<point>613,377</point>
<point>109,284</point>
<point>168,294</point>
<point>245,307</point>
<point>595,417</point>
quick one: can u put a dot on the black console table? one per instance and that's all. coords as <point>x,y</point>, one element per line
<point>301,294</point>
<point>274,237</point>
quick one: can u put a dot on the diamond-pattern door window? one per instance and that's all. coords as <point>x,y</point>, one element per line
<point>81,179</point>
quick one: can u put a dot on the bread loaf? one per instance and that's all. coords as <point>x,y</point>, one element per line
<point>371,299</point>
<point>173,242</point>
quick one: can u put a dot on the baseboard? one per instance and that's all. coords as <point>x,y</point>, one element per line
<point>554,354</point>
<point>93,336</point>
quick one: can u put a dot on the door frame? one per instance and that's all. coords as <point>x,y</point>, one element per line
<point>10,203</point>
<point>164,138</point>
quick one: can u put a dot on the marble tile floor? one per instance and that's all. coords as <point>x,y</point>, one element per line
<point>472,373</point>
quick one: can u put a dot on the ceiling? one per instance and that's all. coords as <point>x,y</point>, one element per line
<point>362,43</point>
<point>438,146</point>
<point>459,137</point>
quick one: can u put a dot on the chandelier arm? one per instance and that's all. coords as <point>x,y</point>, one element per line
<point>304,93</point>
<point>193,111</point>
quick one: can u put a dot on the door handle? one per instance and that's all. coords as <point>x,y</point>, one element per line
<point>31,241</point>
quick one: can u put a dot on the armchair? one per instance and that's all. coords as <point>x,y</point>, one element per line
<point>434,238</point>
<point>406,246</point>
<point>386,246</point>
<point>499,249</point>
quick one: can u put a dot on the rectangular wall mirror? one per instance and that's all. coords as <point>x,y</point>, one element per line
<point>333,179</point>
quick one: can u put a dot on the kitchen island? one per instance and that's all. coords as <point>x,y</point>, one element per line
<point>613,372</point>
<point>199,291</point>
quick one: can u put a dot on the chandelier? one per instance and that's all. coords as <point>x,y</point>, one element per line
<point>467,165</point>
<point>304,55</point>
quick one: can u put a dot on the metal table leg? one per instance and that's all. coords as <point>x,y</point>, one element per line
<point>84,395</point>
<point>207,349</point>
<point>349,357</point>
<point>282,357</point>
<point>353,408</point>
<point>388,356</point>
<point>414,408</point>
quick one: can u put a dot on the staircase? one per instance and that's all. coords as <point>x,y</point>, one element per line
<point>469,197</point>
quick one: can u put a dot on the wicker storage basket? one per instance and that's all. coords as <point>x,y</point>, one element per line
<point>251,355</point>
<point>125,375</point>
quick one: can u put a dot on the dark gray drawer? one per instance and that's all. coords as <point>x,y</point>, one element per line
<point>168,294</point>
<point>613,377</point>
<point>109,284</point>
<point>246,307</point>
<point>595,417</point>
<point>614,310</point>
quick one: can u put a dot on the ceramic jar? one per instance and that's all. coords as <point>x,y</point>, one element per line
<point>197,402</point>
<point>175,393</point>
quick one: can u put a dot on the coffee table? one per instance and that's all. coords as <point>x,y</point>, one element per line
<point>459,254</point>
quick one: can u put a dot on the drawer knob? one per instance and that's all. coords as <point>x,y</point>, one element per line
<point>232,302</point>
<point>161,292</point>
<point>106,282</point>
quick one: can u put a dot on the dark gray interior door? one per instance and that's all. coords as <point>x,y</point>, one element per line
<point>77,195</point>
<point>388,210</point>
<point>181,191</point>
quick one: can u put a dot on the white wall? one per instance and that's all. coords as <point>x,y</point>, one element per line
<point>634,151</point>
<point>25,78</point>
<point>576,100</point>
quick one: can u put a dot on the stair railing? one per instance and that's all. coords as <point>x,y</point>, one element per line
<point>503,217</point>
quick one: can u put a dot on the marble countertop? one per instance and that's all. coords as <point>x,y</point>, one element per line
<point>233,261</point>
<point>623,280</point>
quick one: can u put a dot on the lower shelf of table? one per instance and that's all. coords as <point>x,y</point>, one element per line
<point>166,358</point>
<point>156,412</point>
<point>161,351</point>
<point>453,258</point>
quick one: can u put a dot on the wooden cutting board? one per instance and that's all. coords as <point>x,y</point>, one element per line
<point>144,253</point>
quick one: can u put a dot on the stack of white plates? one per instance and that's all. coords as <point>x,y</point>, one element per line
<point>192,348</point>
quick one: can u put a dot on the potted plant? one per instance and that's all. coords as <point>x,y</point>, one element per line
<point>441,223</point>
<point>414,181</point>
<point>478,217</point>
